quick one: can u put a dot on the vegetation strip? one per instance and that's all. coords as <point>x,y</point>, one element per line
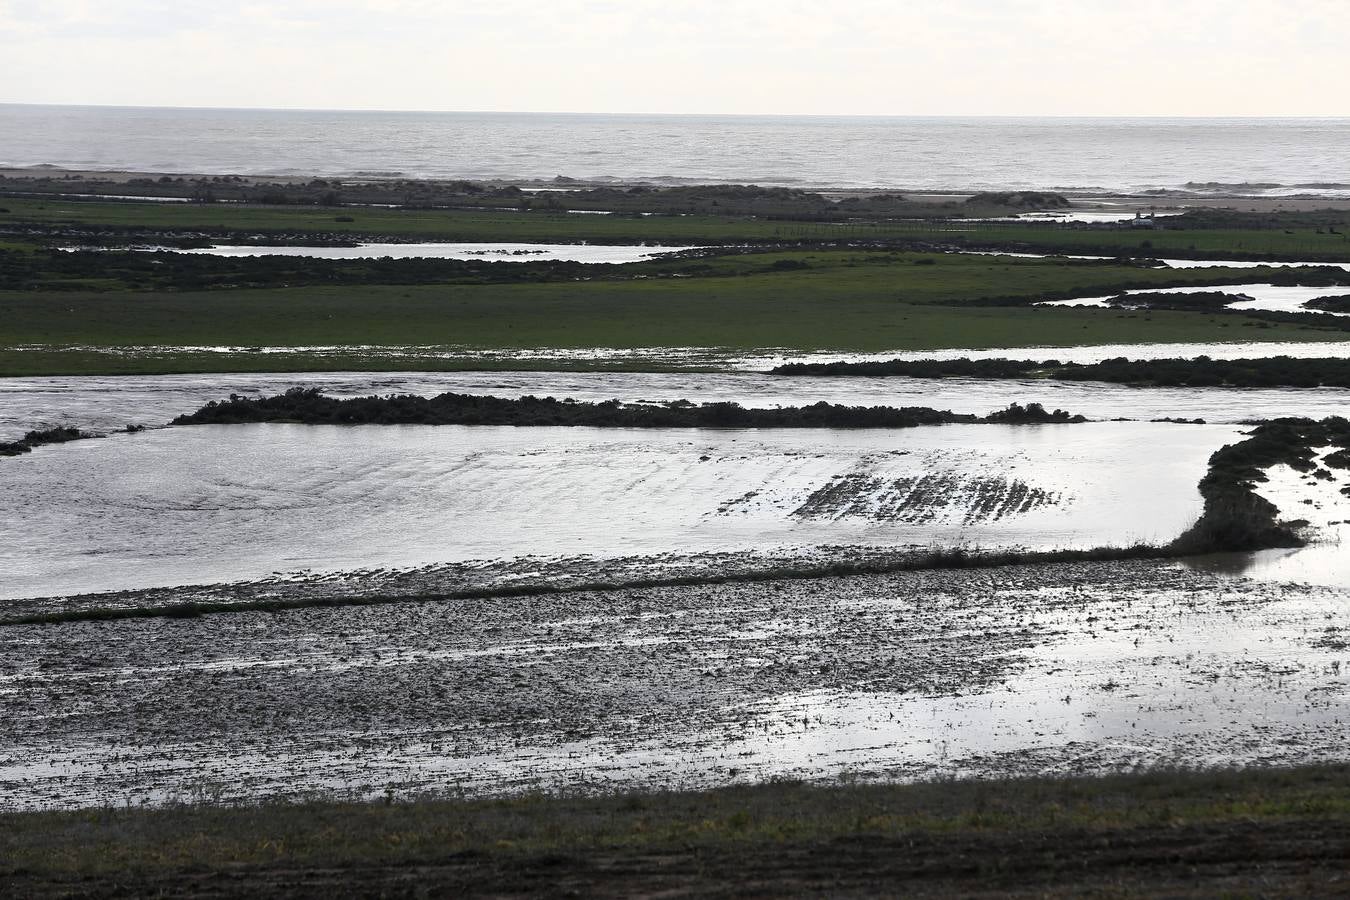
<point>1287,830</point>
<point>69,313</point>
<point>1198,234</point>
<point>59,435</point>
<point>1276,371</point>
<point>311,407</point>
<point>1339,303</point>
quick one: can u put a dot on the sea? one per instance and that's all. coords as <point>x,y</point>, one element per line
<point>1243,156</point>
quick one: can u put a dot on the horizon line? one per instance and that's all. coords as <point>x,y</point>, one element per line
<point>708,115</point>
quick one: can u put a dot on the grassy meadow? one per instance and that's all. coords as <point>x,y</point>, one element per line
<point>1271,832</point>
<point>844,300</point>
<point>57,317</point>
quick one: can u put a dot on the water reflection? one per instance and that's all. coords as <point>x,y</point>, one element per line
<point>486,252</point>
<point>215,503</point>
<point>1324,562</point>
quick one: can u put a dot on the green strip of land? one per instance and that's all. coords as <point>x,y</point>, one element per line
<point>1266,833</point>
<point>843,300</point>
<point>62,314</point>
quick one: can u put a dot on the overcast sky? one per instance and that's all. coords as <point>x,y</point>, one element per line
<point>848,57</point>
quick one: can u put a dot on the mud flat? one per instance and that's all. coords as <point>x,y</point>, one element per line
<point>1086,668</point>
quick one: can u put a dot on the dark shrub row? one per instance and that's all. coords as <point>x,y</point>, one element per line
<point>310,406</point>
<point>1203,301</point>
<point>38,438</point>
<point>1277,371</point>
<point>1340,304</point>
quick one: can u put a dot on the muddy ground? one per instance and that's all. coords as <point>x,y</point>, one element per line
<point>1081,668</point>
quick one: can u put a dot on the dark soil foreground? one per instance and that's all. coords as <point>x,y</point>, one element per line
<point>1260,834</point>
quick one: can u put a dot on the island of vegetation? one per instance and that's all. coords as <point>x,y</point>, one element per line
<point>1235,516</point>
<point>25,444</point>
<point>1338,304</point>
<point>310,406</point>
<point>1202,371</point>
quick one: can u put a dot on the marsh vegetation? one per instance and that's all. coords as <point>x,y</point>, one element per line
<point>1276,371</point>
<point>312,407</point>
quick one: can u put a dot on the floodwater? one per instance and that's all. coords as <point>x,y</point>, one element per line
<point>1071,215</point>
<point>486,252</point>
<point>102,404</point>
<point>1272,297</point>
<point>407,357</point>
<point>204,504</point>
<point>1246,264</point>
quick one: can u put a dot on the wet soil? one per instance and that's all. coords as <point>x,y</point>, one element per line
<point>1080,668</point>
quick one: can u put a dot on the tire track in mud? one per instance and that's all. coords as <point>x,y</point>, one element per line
<point>923,499</point>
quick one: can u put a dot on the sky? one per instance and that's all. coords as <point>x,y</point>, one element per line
<point>786,57</point>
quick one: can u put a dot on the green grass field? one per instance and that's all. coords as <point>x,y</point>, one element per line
<point>1274,833</point>
<point>836,299</point>
<point>846,301</point>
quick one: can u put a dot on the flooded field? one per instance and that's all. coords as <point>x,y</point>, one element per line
<point>414,357</point>
<point>1093,216</point>
<point>518,252</point>
<point>189,505</point>
<point>108,403</point>
<point>731,677</point>
<point>1025,670</point>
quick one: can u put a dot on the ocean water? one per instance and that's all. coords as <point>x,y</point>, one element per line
<point>1266,156</point>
